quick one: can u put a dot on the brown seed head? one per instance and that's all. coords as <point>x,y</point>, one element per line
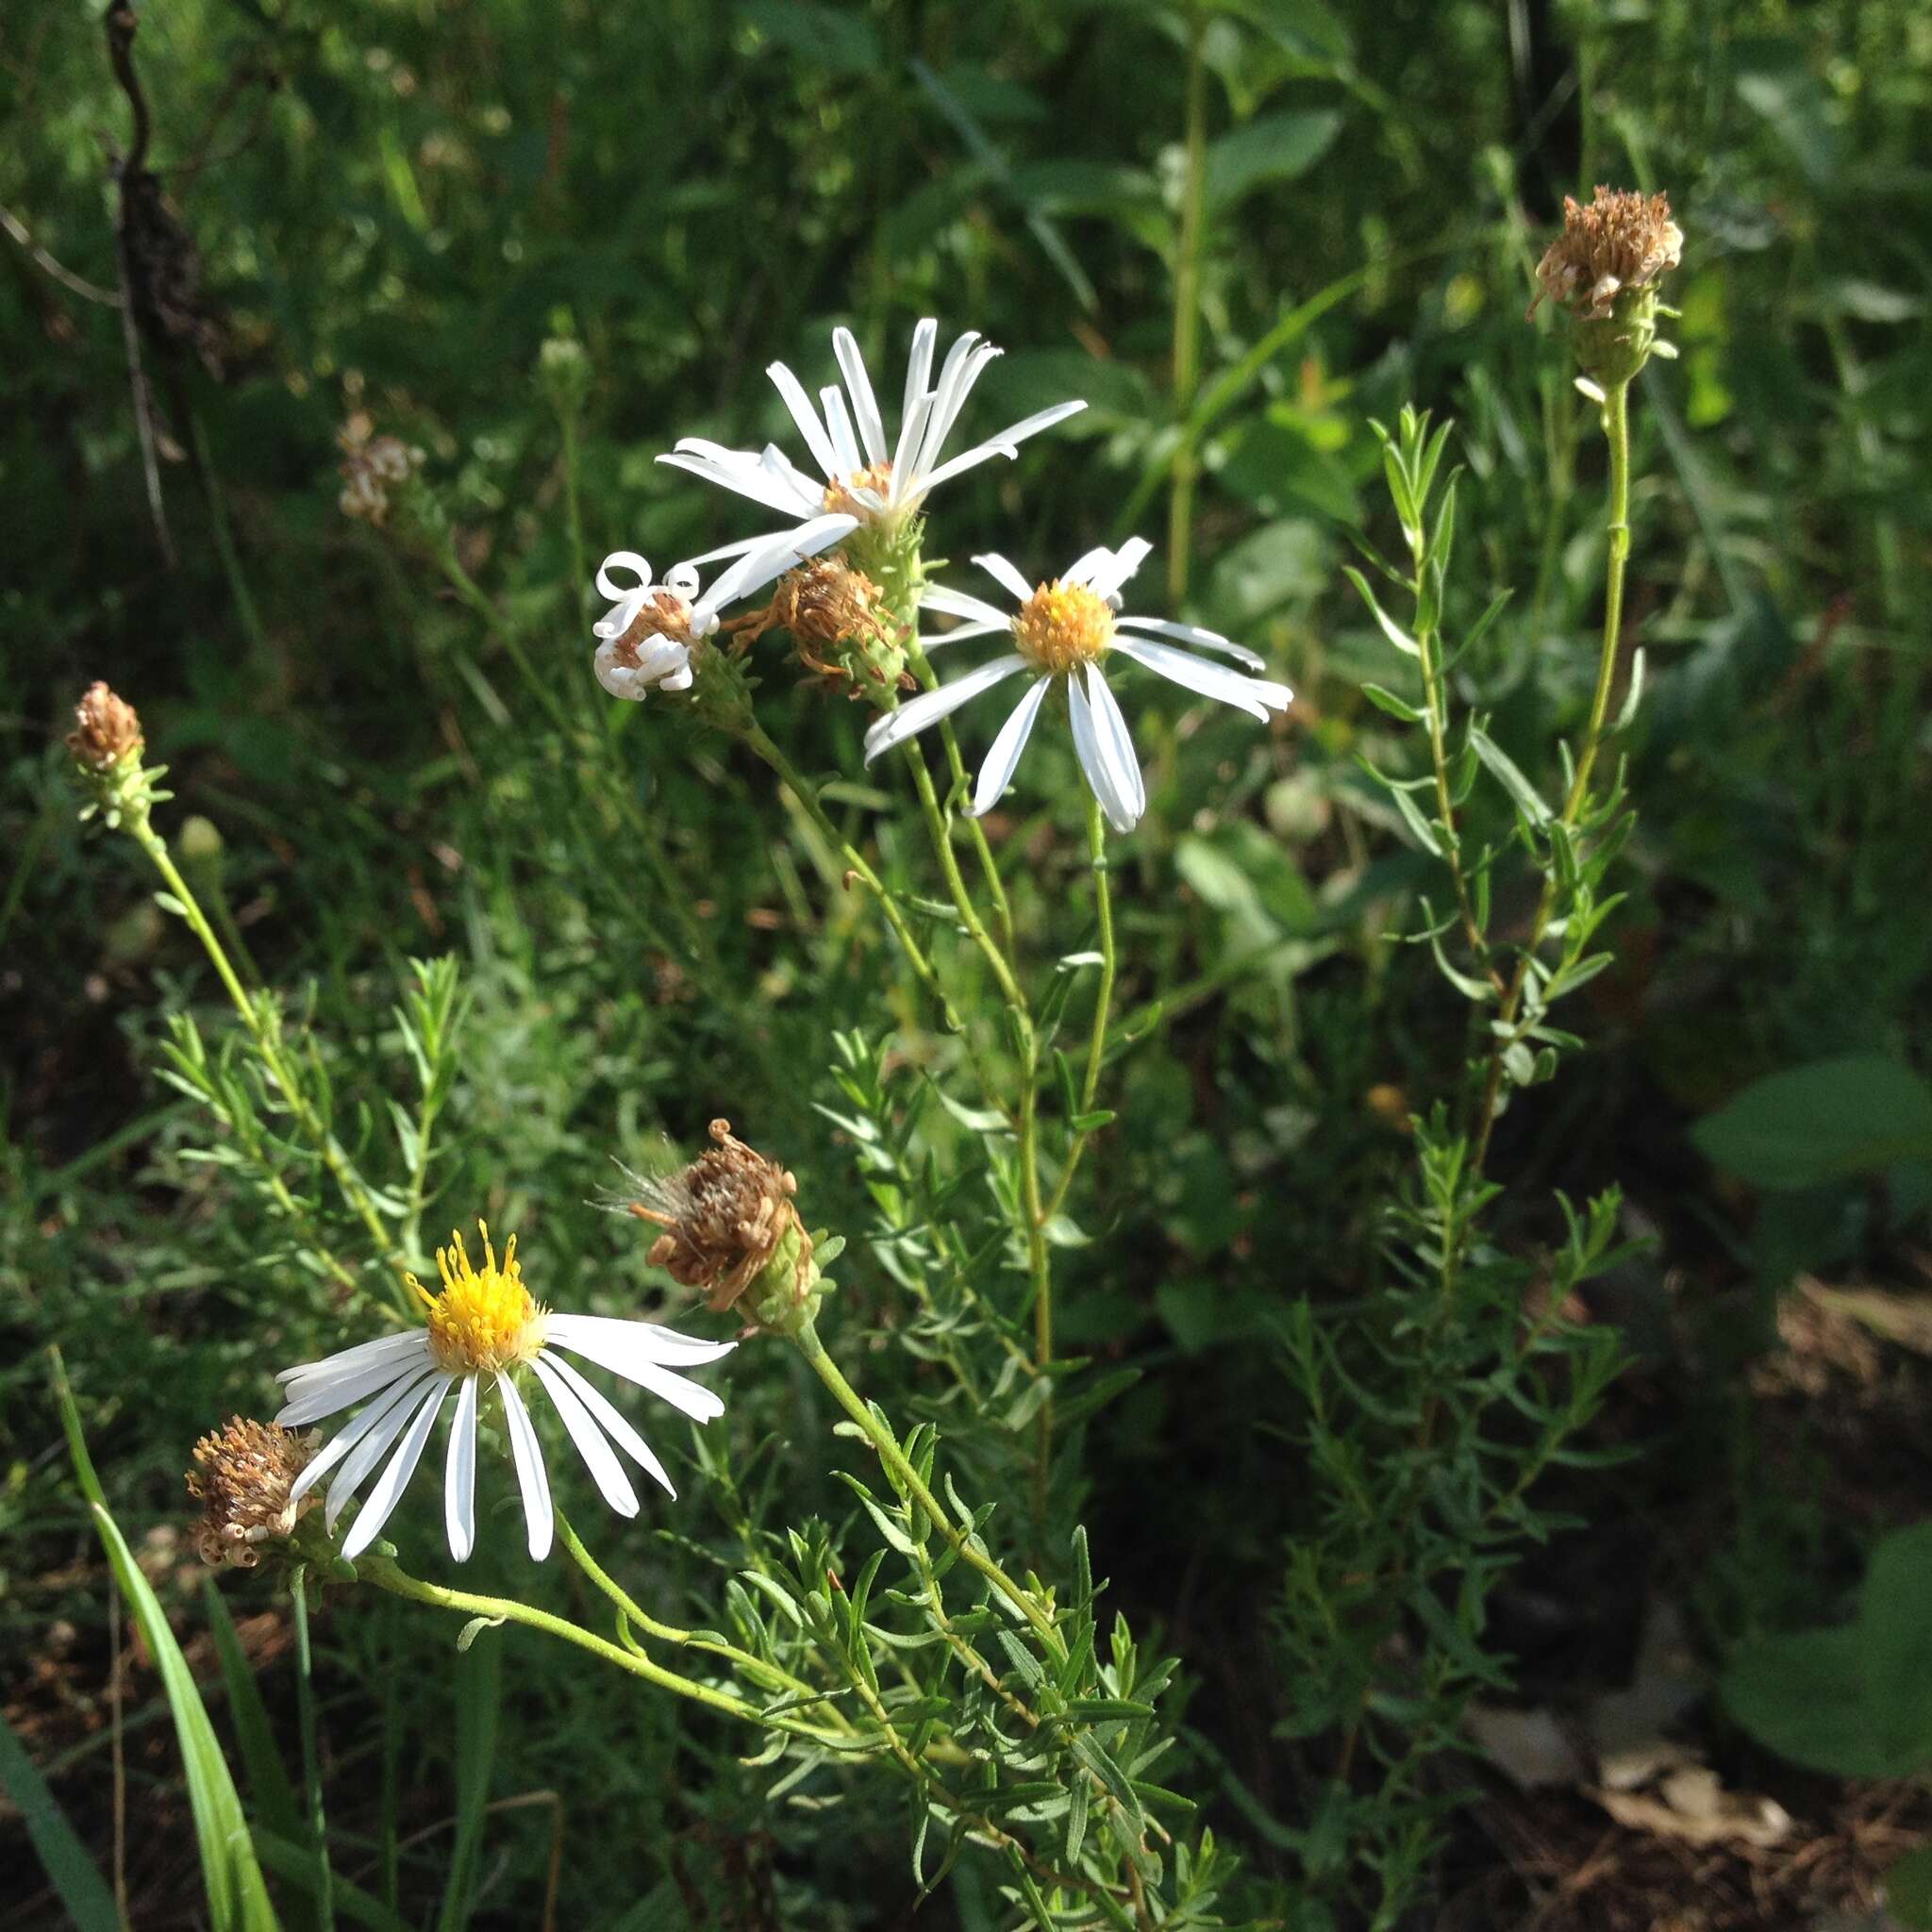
<point>826,602</point>
<point>725,1217</point>
<point>241,1478</point>
<point>106,728</point>
<point>1620,240</point>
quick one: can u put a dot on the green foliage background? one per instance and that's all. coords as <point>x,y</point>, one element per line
<point>416,196</point>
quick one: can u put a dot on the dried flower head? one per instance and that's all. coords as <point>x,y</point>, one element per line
<point>838,621</point>
<point>1620,242</point>
<point>106,728</point>
<point>730,1229</point>
<point>242,1478</point>
<point>371,466</point>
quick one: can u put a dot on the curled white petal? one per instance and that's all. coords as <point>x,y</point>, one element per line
<point>608,586</point>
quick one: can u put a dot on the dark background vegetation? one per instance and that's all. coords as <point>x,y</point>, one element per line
<point>397,204</point>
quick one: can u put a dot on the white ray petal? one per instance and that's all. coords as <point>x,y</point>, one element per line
<point>754,482</point>
<point>918,371</point>
<point>599,1459</point>
<point>653,1343</point>
<point>757,568</point>
<point>614,1424</point>
<point>959,603</point>
<point>380,1349</point>
<point>1082,568</point>
<point>695,1400</point>
<point>964,633</point>
<point>864,404</point>
<point>930,707</point>
<point>1003,575</point>
<point>1109,576</point>
<point>809,427</point>
<point>324,1393</point>
<point>391,1417</point>
<point>911,430</point>
<point>1253,695</point>
<point>838,421</point>
<point>1116,741</point>
<point>351,1433</point>
<point>946,411</point>
<point>539,1519</point>
<point>387,1492</point>
<point>1100,773</point>
<point>737,547</point>
<point>996,774</point>
<point>1193,634</point>
<point>459,1475</point>
<point>1004,444</point>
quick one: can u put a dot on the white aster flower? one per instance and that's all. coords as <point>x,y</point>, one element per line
<point>878,479</point>
<point>487,1326</point>
<point>646,638</point>
<point>1063,630</point>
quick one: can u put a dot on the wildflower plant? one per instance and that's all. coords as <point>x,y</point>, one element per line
<point>947,1631</point>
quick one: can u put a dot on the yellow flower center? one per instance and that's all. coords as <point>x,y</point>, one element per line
<point>1062,625</point>
<point>877,478</point>
<point>480,1321</point>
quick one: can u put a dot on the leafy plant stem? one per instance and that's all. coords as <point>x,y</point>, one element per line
<point>312,1761</point>
<point>754,1667</point>
<point>140,827</point>
<point>966,1545</point>
<point>1617,429</point>
<point>384,1572</point>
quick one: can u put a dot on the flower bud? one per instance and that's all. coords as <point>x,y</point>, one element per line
<point>1604,268</point>
<point>107,729</point>
<point>730,1229</point>
<point>241,1478</point>
<point>563,369</point>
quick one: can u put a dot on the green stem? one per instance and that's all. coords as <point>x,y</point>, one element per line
<point>755,1666</point>
<point>966,1546</point>
<point>340,1170</point>
<point>1617,429</point>
<point>1187,311</point>
<point>938,831</point>
<point>760,743</point>
<point>384,1574</point>
<point>311,1763</point>
<point>574,512</point>
<point>1102,1003</point>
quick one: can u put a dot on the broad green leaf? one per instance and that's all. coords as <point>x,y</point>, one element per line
<point>1895,1643</point>
<point>1271,147</point>
<point>1803,1697</point>
<point>1858,1114</point>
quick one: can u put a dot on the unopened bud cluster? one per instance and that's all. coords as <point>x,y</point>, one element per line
<point>242,1478</point>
